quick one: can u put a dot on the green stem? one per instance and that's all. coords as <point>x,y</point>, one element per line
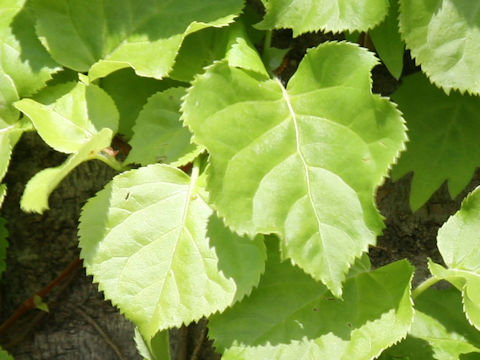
<point>195,170</point>
<point>424,286</point>
<point>110,161</point>
<point>267,42</point>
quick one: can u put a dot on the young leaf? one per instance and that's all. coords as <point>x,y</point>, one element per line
<point>3,244</point>
<point>130,93</point>
<point>159,135</point>
<point>290,314</point>
<point>458,242</point>
<point>25,65</point>
<point>443,143</point>
<point>144,238</point>
<point>443,37</point>
<point>303,161</point>
<point>39,188</point>
<point>312,15</point>
<point>67,115</point>
<point>439,331</point>
<point>388,43</point>
<point>102,37</point>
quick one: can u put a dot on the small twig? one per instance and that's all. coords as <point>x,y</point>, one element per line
<point>39,316</point>
<point>28,328</point>
<point>200,340</point>
<point>30,303</point>
<point>97,327</point>
<point>182,343</point>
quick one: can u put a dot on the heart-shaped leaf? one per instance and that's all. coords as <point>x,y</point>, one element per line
<point>301,161</point>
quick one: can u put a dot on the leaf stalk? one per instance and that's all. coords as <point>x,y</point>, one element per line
<point>424,286</point>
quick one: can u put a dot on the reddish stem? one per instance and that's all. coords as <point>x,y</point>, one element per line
<point>30,304</point>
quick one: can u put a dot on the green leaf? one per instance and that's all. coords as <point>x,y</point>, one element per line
<point>159,135</point>
<point>3,242</point>
<point>203,47</point>
<point>388,43</point>
<point>302,162</point>
<point>458,242</point>
<point>144,238</point>
<point>130,93</point>
<point>9,135</point>
<point>40,304</point>
<point>4,355</point>
<point>158,348</point>
<point>443,143</point>
<point>274,57</point>
<point>105,36</point>
<point>439,331</point>
<point>239,258</point>
<point>443,37</point>
<point>312,15</point>
<point>3,192</point>
<point>39,188</point>
<point>68,115</point>
<point>25,66</point>
<point>289,315</point>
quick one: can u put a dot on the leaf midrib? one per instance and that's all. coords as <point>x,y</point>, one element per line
<point>304,163</point>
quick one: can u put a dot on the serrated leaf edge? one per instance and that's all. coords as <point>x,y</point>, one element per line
<point>323,28</point>
<point>419,62</point>
<point>393,161</point>
<point>89,271</point>
<point>187,158</point>
<point>303,339</point>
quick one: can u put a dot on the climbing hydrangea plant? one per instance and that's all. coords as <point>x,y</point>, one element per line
<point>247,197</point>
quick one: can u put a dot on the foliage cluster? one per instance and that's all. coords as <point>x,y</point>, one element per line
<point>254,200</point>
